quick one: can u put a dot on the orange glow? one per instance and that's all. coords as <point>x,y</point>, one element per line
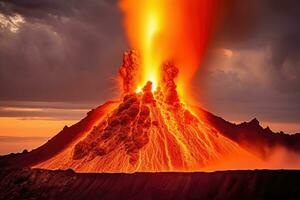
<point>163,30</point>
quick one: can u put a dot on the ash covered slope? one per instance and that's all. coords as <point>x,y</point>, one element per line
<point>43,184</point>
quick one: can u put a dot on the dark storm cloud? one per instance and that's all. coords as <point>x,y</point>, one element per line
<point>64,51</point>
<point>262,76</point>
<point>256,23</point>
<point>253,20</point>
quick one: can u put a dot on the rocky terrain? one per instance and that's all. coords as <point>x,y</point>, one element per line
<point>43,184</point>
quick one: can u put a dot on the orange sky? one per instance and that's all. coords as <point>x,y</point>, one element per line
<point>36,130</point>
<point>15,126</point>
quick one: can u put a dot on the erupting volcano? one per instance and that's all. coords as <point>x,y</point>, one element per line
<point>152,128</point>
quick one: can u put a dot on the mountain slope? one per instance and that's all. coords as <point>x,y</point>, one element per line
<point>58,142</point>
<point>252,136</point>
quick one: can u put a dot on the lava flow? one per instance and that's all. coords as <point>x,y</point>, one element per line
<point>151,129</point>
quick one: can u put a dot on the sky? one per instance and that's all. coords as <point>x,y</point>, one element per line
<point>59,59</point>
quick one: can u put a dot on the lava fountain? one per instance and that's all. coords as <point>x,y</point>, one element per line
<point>150,129</point>
<point>168,30</point>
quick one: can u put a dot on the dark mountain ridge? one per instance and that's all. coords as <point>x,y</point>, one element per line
<point>252,136</point>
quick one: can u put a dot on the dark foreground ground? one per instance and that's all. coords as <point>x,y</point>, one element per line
<point>43,184</point>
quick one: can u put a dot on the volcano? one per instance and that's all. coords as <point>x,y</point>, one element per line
<point>147,131</point>
<point>153,131</point>
<point>151,143</point>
